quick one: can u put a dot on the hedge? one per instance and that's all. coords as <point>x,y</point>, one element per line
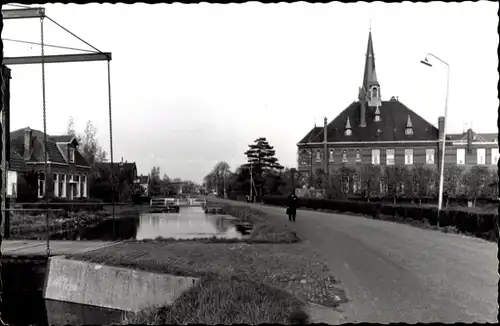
<point>477,223</point>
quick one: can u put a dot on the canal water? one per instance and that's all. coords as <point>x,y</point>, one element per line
<point>23,282</point>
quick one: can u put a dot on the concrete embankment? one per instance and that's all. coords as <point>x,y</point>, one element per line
<point>111,287</point>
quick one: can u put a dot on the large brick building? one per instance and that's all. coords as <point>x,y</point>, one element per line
<point>373,131</point>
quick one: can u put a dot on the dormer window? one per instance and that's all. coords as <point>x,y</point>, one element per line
<point>409,127</point>
<point>348,130</point>
<point>71,155</point>
<point>377,114</point>
<point>374,92</point>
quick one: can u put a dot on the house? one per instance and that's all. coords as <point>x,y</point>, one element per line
<point>122,170</point>
<point>68,170</point>
<point>374,131</point>
<point>125,174</point>
<point>15,171</point>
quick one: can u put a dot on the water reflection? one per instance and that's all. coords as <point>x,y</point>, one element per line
<point>189,223</point>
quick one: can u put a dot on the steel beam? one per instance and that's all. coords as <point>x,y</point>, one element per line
<point>23,13</point>
<point>105,56</point>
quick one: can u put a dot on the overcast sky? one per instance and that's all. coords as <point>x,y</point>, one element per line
<point>195,84</point>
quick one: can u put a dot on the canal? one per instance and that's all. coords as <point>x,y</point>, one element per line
<point>23,282</point>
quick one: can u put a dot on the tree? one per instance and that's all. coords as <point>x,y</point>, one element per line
<point>261,158</point>
<point>370,180</point>
<point>155,181</point>
<point>90,148</point>
<point>476,180</point>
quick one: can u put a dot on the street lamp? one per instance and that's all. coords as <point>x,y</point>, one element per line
<point>441,174</point>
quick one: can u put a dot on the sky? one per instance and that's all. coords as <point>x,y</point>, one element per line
<point>192,85</point>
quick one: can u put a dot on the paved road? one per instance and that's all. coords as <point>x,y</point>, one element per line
<point>398,273</point>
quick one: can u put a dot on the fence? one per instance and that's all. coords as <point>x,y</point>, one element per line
<point>42,221</point>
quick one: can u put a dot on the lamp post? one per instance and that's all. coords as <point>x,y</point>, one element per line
<point>441,174</point>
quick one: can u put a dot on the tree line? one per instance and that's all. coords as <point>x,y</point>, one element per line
<point>262,175</point>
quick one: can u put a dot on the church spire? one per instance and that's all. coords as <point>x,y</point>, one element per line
<point>371,86</point>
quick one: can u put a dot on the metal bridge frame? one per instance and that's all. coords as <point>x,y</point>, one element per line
<point>39,13</point>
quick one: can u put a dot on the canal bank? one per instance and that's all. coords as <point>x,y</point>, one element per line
<point>276,279</point>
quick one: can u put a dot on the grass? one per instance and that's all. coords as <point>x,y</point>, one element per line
<point>293,268</point>
<point>225,301</point>
<point>265,229</point>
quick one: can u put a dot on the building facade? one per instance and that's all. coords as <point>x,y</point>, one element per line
<point>68,170</point>
<point>373,131</point>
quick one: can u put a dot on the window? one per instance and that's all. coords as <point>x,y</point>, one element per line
<point>348,132</point>
<point>375,156</point>
<point>409,156</point>
<point>84,186</point>
<point>460,155</point>
<point>389,156</point>
<point>55,178</point>
<point>331,157</point>
<point>41,185</point>
<point>481,156</point>
<point>408,131</point>
<point>76,179</point>
<point>344,156</point>
<point>494,155</point>
<point>303,157</point>
<point>12,183</point>
<point>318,155</point>
<point>62,185</point>
<point>374,92</point>
<point>71,155</point>
<point>429,156</point>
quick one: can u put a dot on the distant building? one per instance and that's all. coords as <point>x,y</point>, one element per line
<point>373,131</point>
<point>143,182</point>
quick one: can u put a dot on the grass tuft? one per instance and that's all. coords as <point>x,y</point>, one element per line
<point>226,301</point>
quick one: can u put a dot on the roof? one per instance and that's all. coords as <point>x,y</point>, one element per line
<point>56,147</point>
<point>17,162</point>
<point>482,137</point>
<point>117,166</point>
<point>394,117</point>
<point>143,178</point>
<point>312,134</point>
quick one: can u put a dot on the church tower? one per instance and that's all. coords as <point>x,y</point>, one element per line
<point>369,92</point>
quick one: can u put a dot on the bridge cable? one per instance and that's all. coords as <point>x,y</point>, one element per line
<point>111,148</point>
<point>44,107</point>
<point>47,45</point>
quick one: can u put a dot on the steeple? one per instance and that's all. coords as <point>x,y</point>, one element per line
<point>371,86</point>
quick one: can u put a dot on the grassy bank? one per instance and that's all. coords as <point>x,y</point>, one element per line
<point>225,301</point>
<point>282,277</point>
<point>265,229</point>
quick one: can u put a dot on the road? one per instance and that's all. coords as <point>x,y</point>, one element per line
<point>399,273</point>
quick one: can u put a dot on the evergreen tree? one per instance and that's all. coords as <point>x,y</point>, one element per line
<point>261,159</point>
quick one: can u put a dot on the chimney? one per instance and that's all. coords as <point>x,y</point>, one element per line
<point>441,127</point>
<point>27,143</point>
<point>470,136</point>
<point>362,113</point>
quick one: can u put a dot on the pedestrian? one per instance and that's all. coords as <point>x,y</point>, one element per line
<point>291,209</point>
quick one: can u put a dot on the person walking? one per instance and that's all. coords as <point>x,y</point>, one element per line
<point>291,209</point>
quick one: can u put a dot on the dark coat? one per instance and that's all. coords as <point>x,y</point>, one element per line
<point>293,202</point>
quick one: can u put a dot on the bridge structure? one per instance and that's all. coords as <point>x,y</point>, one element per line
<point>18,250</point>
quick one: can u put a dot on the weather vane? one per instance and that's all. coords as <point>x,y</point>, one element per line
<point>370,24</point>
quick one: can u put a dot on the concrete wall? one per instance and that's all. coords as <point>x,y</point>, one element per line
<point>111,287</point>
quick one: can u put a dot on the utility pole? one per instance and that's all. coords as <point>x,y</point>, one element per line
<point>251,183</point>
